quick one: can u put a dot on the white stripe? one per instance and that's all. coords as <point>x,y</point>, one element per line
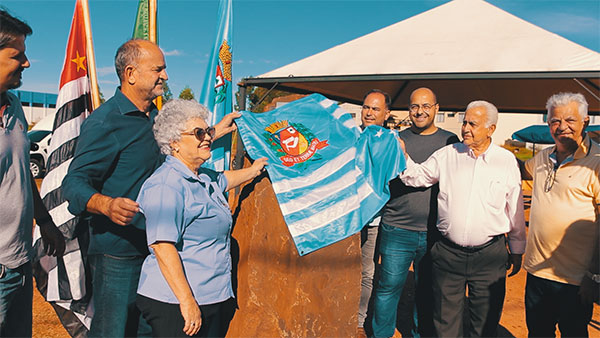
<point>317,175</point>
<point>86,319</point>
<point>75,273</point>
<point>306,200</point>
<point>60,214</point>
<point>326,103</point>
<point>66,132</point>
<point>72,90</point>
<point>52,290</point>
<point>327,216</point>
<point>350,124</point>
<point>339,113</point>
<point>54,177</point>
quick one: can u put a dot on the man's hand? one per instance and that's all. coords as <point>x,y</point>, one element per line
<point>192,317</point>
<point>121,210</point>
<point>402,145</point>
<point>226,125</point>
<point>589,291</point>
<point>259,165</point>
<point>53,239</point>
<point>515,262</point>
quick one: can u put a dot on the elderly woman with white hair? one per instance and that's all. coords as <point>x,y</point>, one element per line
<point>185,284</point>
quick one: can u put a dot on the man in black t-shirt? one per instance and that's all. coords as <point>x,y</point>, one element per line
<point>408,226</point>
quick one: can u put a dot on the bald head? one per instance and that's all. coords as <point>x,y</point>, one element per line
<point>422,110</point>
<point>131,52</point>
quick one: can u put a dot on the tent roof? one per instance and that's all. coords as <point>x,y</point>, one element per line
<point>464,49</point>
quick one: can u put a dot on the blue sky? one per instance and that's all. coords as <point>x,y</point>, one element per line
<point>267,34</point>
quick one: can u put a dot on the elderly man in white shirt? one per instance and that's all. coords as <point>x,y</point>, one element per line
<point>480,200</point>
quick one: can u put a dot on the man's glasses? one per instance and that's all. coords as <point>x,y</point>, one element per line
<point>200,133</point>
<point>550,180</point>
<point>375,109</point>
<point>425,107</point>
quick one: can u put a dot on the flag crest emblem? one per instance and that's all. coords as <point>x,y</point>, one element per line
<point>223,75</point>
<point>293,142</point>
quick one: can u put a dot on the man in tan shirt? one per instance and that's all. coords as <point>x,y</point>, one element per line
<point>561,256</point>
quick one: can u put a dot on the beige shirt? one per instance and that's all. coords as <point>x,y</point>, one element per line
<point>563,223</point>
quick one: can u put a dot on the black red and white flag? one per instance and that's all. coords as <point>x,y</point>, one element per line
<point>63,281</point>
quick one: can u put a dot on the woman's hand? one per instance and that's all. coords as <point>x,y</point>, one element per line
<point>258,166</point>
<point>192,316</point>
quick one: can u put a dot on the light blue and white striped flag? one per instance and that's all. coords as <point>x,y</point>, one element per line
<point>329,178</point>
<point>217,92</point>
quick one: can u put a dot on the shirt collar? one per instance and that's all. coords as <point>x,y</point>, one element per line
<point>484,156</point>
<point>181,168</point>
<point>125,105</point>
<point>582,151</point>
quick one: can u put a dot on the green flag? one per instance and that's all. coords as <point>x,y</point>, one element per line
<point>141,28</point>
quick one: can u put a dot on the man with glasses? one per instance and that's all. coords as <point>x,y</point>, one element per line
<point>116,152</point>
<point>561,258</point>
<point>375,111</point>
<point>407,228</point>
<point>479,202</point>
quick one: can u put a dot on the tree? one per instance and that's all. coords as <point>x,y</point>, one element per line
<point>186,93</point>
<point>257,93</point>
<point>167,95</point>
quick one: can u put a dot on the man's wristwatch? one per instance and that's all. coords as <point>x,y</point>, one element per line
<point>593,276</point>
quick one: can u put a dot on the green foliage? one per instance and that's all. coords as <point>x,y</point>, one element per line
<point>187,94</point>
<point>167,94</point>
<point>256,93</point>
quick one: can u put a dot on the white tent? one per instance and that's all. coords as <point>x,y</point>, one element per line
<point>463,50</point>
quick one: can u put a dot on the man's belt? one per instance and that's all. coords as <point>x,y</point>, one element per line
<point>470,249</point>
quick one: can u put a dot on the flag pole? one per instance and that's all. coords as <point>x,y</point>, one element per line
<point>90,55</point>
<point>153,35</point>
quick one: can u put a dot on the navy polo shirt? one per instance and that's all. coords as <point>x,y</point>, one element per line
<point>116,152</point>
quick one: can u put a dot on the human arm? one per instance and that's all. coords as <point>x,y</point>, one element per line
<point>171,268</point>
<point>53,239</point>
<point>525,171</point>
<point>237,177</point>
<point>95,156</point>
<point>226,125</point>
<point>425,174</point>
<point>516,216</point>
<point>589,290</point>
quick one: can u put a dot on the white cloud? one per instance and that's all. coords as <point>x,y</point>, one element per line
<point>174,52</point>
<point>103,71</point>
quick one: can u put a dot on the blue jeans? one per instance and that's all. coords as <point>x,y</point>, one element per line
<point>398,248</point>
<point>115,282</point>
<point>16,296</point>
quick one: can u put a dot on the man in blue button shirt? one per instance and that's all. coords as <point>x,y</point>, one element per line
<point>116,152</point>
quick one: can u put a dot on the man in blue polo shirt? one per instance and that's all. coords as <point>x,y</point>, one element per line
<point>20,201</point>
<point>116,152</point>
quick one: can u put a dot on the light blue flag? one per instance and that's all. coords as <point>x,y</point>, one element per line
<point>216,94</point>
<point>330,178</point>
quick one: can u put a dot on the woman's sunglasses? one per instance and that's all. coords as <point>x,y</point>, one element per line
<point>200,133</point>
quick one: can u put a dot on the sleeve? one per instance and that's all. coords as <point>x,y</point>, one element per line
<point>97,148</point>
<point>514,210</point>
<point>425,174</point>
<point>222,182</point>
<point>164,209</point>
<point>530,165</point>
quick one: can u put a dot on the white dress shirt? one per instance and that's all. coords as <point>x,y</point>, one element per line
<point>480,197</point>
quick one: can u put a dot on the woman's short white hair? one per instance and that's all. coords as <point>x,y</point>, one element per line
<point>491,112</point>
<point>170,121</point>
<point>563,99</point>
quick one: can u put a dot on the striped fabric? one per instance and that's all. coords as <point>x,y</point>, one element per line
<point>329,178</point>
<point>217,91</point>
<point>62,281</point>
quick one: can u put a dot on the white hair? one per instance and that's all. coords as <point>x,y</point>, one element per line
<point>491,112</point>
<point>563,99</point>
<point>171,120</point>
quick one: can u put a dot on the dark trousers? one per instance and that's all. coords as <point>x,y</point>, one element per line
<point>548,303</point>
<point>166,319</point>
<point>16,292</point>
<point>480,273</point>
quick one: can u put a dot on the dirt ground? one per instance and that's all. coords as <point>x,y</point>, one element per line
<point>47,325</point>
